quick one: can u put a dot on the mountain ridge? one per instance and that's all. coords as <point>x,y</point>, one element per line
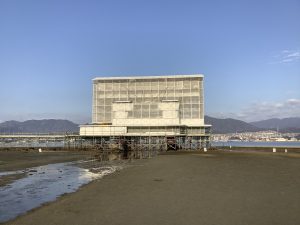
<point>229,125</point>
<point>275,123</point>
<point>38,126</point>
<point>220,126</point>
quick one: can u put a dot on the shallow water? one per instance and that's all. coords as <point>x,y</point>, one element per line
<point>44,184</point>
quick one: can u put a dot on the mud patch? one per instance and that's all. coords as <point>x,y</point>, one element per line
<point>7,179</point>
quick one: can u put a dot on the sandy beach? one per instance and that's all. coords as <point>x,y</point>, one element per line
<point>192,188</point>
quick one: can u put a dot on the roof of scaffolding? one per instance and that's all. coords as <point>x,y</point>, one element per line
<point>149,77</point>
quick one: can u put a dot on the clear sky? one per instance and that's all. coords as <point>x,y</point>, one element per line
<point>249,52</point>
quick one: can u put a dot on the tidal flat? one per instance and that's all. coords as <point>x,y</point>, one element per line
<point>216,187</point>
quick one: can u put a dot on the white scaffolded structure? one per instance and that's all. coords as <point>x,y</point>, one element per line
<point>154,112</point>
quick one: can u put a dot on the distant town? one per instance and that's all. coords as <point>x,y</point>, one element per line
<point>263,136</point>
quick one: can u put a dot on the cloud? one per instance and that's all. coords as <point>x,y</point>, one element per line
<point>265,110</point>
<point>286,56</point>
<point>222,115</point>
<point>293,101</point>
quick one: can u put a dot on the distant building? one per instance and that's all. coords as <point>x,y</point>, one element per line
<point>149,106</point>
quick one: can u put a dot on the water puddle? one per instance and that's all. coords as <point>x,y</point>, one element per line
<point>44,184</point>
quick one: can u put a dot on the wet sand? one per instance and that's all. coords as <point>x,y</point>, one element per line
<point>17,160</point>
<point>46,183</point>
<point>213,188</point>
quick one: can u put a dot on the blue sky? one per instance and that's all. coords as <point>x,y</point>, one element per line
<point>249,52</point>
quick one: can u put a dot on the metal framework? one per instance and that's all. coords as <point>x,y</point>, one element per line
<point>139,146</point>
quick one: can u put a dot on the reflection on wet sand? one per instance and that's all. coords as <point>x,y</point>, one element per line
<point>45,183</point>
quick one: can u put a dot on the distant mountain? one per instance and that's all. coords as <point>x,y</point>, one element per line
<point>38,126</point>
<point>221,126</point>
<point>285,124</point>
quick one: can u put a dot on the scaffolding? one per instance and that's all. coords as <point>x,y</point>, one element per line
<point>146,94</point>
<point>140,146</point>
